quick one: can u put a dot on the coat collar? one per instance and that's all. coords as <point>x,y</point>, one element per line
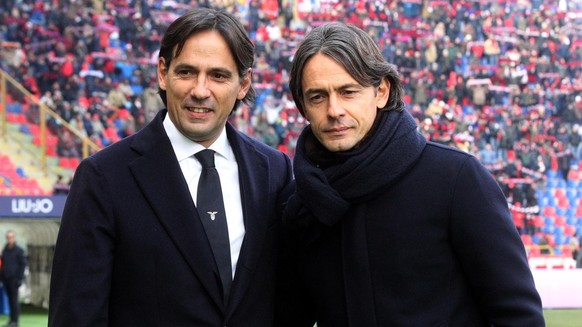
<point>158,174</point>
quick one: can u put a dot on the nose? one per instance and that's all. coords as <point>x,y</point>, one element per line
<point>335,108</point>
<point>200,88</point>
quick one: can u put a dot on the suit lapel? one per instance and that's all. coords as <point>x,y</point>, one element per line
<point>254,181</point>
<point>159,176</point>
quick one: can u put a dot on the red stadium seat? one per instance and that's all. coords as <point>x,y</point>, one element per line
<point>539,221</point>
<point>549,211</point>
<point>526,238</point>
<point>560,221</point>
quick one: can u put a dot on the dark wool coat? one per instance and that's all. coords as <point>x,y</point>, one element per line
<point>13,263</point>
<point>132,250</point>
<point>422,236</point>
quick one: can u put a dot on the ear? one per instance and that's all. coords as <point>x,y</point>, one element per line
<point>245,84</point>
<point>382,94</point>
<point>162,73</point>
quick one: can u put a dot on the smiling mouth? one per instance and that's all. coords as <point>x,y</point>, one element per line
<point>198,110</point>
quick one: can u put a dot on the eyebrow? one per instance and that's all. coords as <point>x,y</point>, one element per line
<point>339,87</point>
<point>222,70</point>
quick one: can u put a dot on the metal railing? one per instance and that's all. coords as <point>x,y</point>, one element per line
<point>17,90</point>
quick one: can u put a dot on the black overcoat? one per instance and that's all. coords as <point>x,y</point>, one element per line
<point>132,251</point>
<point>437,247</point>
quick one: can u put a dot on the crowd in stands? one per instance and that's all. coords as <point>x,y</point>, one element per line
<point>501,79</point>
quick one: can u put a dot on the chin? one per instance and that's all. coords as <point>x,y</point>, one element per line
<point>338,147</point>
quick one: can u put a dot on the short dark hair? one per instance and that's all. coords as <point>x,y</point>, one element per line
<point>356,51</point>
<point>204,19</point>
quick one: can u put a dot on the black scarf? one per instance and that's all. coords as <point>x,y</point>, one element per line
<point>328,183</point>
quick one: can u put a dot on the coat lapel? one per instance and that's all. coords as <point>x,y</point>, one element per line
<point>254,183</point>
<point>158,174</point>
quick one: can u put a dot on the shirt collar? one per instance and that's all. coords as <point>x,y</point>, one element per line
<point>185,148</point>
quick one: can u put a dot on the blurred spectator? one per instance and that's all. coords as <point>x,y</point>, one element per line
<point>488,156</point>
<point>575,245</point>
<point>12,275</point>
<point>60,186</point>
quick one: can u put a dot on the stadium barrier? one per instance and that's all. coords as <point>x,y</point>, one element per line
<point>551,262</point>
<point>10,88</point>
<point>559,288</point>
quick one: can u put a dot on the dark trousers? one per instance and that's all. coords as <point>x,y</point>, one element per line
<point>11,288</point>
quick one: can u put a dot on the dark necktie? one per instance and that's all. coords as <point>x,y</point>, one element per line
<point>211,211</point>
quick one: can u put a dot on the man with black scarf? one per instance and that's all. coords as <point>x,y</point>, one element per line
<point>385,228</point>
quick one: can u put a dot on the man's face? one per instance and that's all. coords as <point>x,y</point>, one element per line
<point>10,239</point>
<point>202,85</point>
<point>340,110</point>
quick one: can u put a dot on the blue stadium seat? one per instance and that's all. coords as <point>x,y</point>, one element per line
<point>21,172</point>
<point>549,229</point>
<point>551,182</point>
<point>559,240</point>
<point>536,239</point>
<point>505,101</point>
<point>14,108</point>
<point>126,69</point>
<point>549,192</point>
<point>569,214</point>
<point>137,89</point>
<point>24,129</point>
<point>552,174</point>
<point>567,239</point>
<point>549,221</point>
<point>572,183</point>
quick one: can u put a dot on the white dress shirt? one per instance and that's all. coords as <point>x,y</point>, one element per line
<point>227,168</point>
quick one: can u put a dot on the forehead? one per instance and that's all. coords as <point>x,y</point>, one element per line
<point>206,46</point>
<point>322,69</point>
